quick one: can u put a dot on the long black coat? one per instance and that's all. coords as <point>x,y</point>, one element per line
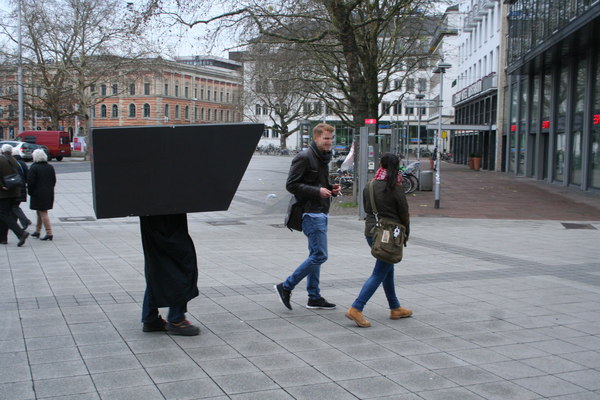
<point>41,180</point>
<point>24,172</point>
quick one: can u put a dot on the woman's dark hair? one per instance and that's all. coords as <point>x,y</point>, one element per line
<point>391,162</point>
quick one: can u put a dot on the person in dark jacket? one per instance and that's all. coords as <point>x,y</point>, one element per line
<point>23,170</point>
<point>308,180</point>
<point>9,166</point>
<point>171,271</point>
<point>391,203</point>
<point>41,180</point>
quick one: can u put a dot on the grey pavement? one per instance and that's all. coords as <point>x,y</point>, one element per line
<point>503,309</point>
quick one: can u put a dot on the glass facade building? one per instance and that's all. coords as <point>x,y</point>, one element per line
<point>552,125</point>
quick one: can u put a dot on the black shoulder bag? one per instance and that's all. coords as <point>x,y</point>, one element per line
<point>13,180</point>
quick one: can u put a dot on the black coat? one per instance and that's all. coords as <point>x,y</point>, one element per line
<point>170,263</point>
<point>24,172</point>
<point>390,204</point>
<point>41,180</point>
<point>309,172</point>
<point>8,166</point>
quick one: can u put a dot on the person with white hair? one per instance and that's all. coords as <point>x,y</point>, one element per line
<point>9,166</point>
<point>41,181</point>
<point>23,171</point>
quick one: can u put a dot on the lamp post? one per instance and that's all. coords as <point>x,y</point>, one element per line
<point>439,69</point>
<point>419,96</point>
<point>20,72</point>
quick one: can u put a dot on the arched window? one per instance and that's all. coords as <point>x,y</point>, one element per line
<point>177,111</point>
<point>215,114</point>
<point>115,111</point>
<point>222,115</point>
<point>207,114</point>
<point>257,109</point>
<point>227,116</point>
<point>167,111</point>
<point>132,110</point>
<point>146,110</point>
<point>103,111</point>
<point>202,114</point>
<point>265,109</point>
<point>187,112</point>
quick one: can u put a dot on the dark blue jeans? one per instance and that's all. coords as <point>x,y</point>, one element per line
<point>314,228</point>
<point>150,311</point>
<point>383,273</point>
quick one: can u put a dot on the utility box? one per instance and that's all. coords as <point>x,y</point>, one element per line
<point>426,181</point>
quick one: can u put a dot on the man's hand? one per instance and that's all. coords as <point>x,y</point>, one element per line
<point>324,193</point>
<point>336,190</point>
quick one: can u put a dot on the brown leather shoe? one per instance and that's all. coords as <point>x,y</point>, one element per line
<point>357,317</point>
<point>400,312</point>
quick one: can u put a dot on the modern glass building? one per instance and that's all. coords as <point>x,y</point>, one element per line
<point>552,102</point>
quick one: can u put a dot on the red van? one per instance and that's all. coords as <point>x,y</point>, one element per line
<point>58,142</point>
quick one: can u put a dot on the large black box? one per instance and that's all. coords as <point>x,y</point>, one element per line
<point>160,170</point>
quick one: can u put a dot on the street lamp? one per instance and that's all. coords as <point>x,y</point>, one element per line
<point>439,69</point>
<point>419,96</point>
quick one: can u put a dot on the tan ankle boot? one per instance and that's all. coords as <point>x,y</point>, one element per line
<point>400,312</point>
<point>357,317</point>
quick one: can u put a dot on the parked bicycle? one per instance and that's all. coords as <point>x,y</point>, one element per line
<point>343,178</point>
<point>410,182</point>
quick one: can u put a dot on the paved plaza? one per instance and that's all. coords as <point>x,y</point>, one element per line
<point>505,306</point>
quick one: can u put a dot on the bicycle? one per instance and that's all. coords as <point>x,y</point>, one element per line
<point>410,182</point>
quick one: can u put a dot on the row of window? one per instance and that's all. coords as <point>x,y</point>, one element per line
<point>209,95</point>
<point>205,114</point>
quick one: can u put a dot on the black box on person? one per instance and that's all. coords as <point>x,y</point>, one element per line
<point>160,170</point>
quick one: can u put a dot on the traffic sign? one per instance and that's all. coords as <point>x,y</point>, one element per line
<point>420,103</point>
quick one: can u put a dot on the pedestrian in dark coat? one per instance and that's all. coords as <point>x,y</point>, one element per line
<point>41,181</point>
<point>23,171</point>
<point>9,166</point>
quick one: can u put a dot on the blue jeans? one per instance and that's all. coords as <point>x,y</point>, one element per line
<point>314,227</point>
<point>150,311</point>
<point>382,273</point>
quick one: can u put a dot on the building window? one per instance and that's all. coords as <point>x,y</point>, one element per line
<point>409,111</point>
<point>215,95</point>
<point>11,111</point>
<point>187,112</point>
<point>146,110</point>
<point>266,133</point>
<point>1,112</point>
<point>167,111</point>
<point>257,109</point>
<point>202,114</point>
<point>201,94</point>
<point>422,85</point>
<point>115,111</point>
<point>103,111</point>
<point>221,115</point>
<point>132,89</point>
<point>195,93</point>
<point>227,97</point>
<point>132,111</point>
<point>385,107</point>
<point>103,90</point>
<point>146,88</point>
<point>186,92</point>
<point>410,84</point>
<point>115,89</point>
<point>221,97</point>
<point>227,116</point>
<point>208,94</point>
<point>208,114</point>
<point>177,110</point>
<point>166,92</point>
<point>215,115</point>
<point>176,90</point>
<point>195,113</point>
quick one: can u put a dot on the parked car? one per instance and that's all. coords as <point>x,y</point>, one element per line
<point>58,142</point>
<point>45,148</point>
<point>25,149</point>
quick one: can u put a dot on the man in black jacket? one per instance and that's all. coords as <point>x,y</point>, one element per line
<point>308,180</point>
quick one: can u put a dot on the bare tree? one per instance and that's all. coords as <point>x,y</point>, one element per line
<point>354,48</point>
<point>275,87</point>
<point>69,48</point>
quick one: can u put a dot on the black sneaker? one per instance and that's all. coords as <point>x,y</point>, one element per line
<point>158,325</point>
<point>284,295</point>
<point>184,328</point>
<point>320,303</point>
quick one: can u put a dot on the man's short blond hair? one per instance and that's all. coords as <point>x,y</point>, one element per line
<point>322,127</point>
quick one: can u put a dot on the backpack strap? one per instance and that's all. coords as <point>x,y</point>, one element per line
<point>372,198</point>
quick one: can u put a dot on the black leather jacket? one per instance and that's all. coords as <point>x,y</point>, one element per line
<point>309,172</point>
